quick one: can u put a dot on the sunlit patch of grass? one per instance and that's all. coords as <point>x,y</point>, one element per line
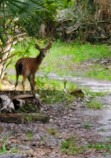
<point>99,72</point>
<point>53,84</point>
<point>44,83</point>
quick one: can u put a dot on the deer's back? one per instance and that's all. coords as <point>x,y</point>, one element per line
<point>27,66</point>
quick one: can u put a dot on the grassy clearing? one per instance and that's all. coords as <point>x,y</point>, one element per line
<point>62,58</point>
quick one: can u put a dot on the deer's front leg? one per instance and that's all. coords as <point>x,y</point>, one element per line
<point>33,84</point>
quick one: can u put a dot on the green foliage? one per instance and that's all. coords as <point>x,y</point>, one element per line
<point>70,147</point>
<point>29,134</point>
<point>3,149</point>
<point>100,146</point>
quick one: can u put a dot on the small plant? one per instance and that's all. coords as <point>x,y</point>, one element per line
<point>26,108</point>
<point>29,135</point>
<point>3,149</point>
<point>52,131</point>
<point>69,146</point>
<point>28,118</point>
<point>87,125</point>
<point>93,105</point>
<point>14,150</point>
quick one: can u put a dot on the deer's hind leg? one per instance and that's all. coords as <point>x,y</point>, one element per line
<point>23,83</point>
<point>31,79</point>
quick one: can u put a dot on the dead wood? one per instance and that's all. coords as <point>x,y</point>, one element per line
<point>23,100</point>
<point>23,118</point>
<point>25,96</point>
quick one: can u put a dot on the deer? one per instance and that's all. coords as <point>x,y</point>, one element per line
<point>27,67</point>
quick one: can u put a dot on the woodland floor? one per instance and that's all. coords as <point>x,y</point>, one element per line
<point>69,121</point>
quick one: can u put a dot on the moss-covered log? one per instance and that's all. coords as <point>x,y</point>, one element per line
<point>23,117</point>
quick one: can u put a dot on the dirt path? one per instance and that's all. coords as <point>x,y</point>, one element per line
<point>94,85</point>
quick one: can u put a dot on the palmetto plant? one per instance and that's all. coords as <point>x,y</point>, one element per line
<point>13,14</point>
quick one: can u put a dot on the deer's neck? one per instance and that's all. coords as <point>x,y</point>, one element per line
<point>39,59</point>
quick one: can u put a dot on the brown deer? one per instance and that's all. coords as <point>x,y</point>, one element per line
<point>27,67</point>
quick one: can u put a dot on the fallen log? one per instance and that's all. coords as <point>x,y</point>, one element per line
<point>23,117</point>
<point>22,100</point>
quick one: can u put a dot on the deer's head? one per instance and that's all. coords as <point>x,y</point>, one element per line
<point>43,50</point>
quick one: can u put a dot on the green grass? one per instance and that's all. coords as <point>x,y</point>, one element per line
<point>94,105</point>
<point>55,96</point>
<point>69,146</point>
<point>99,72</point>
<point>94,94</point>
<point>29,135</point>
<point>3,148</point>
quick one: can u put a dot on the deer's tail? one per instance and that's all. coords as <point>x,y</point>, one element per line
<point>19,68</point>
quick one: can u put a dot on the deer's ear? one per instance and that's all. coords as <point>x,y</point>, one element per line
<point>37,46</point>
<point>49,45</point>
